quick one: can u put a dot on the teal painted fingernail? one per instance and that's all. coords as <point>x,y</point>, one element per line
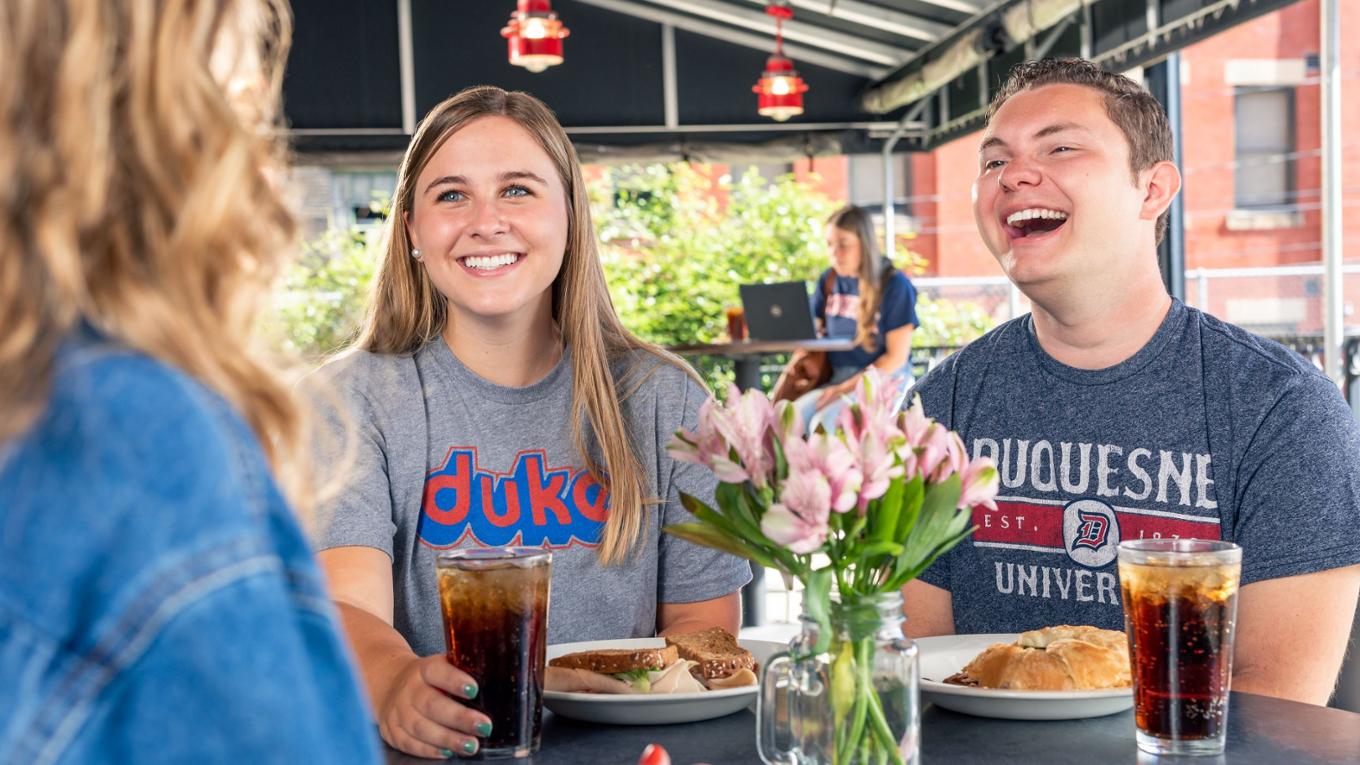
<point>446,753</point>
<point>483,728</point>
<point>470,690</point>
<point>470,747</point>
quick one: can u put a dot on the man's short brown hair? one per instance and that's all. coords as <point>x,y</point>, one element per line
<point>1139,116</point>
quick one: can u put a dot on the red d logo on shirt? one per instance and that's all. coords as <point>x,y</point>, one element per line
<point>1090,532</point>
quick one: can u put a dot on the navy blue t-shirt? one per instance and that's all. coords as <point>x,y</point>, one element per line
<point>840,313</point>
<point>1207,432</point>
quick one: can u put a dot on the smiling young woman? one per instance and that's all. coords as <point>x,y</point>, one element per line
<point>865,297</point>
<point>498,400</point>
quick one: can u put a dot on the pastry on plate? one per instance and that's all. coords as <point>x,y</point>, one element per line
<point>1062,658</point>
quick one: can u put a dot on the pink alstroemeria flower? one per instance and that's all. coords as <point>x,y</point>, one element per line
<point>980,484</point>
<point>828,455</point>
<point>706,446</point>
<point>799,519</point>
<point>933,451</point>
<point>914,423</point>
<point>746,422</point>
<point>876,454</point>
<point>955,458</point>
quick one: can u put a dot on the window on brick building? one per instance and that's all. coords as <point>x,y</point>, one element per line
<point>773,171</point>
<point>866,182</point>
<point>1264,174</point>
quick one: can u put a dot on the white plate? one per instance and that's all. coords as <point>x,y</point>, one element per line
<point>652,708</point>
<point>944,655</point>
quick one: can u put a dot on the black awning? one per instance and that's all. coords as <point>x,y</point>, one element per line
<point>868,64</point>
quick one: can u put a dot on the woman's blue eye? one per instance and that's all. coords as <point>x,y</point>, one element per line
<point>516,191</point>
<point>450,196</point>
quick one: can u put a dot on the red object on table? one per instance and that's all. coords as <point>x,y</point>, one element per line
<point>654,754</point>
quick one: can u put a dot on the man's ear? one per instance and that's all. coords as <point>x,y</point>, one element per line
<point>1163,184</point>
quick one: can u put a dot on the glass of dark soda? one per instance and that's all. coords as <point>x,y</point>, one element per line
<point>1180,611</point>
<point>495,603</point>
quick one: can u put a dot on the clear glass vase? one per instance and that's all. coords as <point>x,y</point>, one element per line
<point>858,702</point>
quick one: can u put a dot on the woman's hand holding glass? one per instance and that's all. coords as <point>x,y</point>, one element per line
<point>421,716</point>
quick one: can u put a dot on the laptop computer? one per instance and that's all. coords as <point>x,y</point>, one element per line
<point>778,311</point>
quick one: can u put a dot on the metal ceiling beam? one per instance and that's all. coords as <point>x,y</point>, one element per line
<point>406,67</point>
<point>969,7</point>
<point>756,127</point>
<point>798,31</point>
<point>798,53</point>
<point>877,16</point>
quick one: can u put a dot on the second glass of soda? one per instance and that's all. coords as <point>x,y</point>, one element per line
<point>1180,612</point>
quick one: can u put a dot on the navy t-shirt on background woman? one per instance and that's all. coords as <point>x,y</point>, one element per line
<point>839,313</point>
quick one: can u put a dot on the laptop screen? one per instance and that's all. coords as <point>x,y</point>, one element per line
<point>778,311</point>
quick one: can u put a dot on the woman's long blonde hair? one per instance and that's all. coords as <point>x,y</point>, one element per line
<point>872,268</point>
<point>407,311</point>
<point>140,193</point>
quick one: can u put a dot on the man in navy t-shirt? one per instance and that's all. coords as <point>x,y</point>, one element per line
<point>1115,412</point>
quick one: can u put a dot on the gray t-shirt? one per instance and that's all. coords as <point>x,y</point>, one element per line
<point>1207,432</point>
<point>445,459</point>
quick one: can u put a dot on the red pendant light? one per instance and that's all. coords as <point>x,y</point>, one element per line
<point>534,35</point>
<point>779,92</point>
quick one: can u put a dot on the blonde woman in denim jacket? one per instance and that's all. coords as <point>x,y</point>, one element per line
<point>158,601</point>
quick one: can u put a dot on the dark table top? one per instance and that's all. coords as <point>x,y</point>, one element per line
<point>1261,731</point>
<point>758,347</point>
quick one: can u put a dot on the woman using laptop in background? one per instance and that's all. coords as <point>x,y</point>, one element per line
<point>864,297</point>
<point>498,400</point>
<point>158,602</point>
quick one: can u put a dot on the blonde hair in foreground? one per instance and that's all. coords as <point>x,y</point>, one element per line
<point>140,195</point>
<point>407,311</point>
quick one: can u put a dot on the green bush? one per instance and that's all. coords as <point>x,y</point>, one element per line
<point>949,323</point>
<point>326,291</point>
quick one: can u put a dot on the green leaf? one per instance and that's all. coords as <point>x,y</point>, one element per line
<point>938,508</point>
<point>731,502</point>
<point>852,533</point>
<point>693,504</point>
<point>638,678</point>
<point>728,496</point>
<point>913,495</point>
<point>707,536</point>
<point>880,548</point>
<point>886,512</point>
<point>906,575</point>
<point>817,606</point>
<point>708,515</point>
<point>781,462</point>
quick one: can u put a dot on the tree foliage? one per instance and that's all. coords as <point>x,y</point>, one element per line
<point>326,292</point>
<point>674,256</point>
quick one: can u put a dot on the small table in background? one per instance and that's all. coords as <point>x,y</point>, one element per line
<point>746,355</point>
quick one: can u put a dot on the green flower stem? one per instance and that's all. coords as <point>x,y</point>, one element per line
<point>865,734</point>
<point>866,702</point>
<point>879,726</point>
<point>878,722</point>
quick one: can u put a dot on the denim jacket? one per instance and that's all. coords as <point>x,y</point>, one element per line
<point>158,602</point>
